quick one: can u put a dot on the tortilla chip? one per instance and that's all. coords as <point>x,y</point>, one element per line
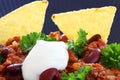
<point>93,21</point>
<point>22,21</point>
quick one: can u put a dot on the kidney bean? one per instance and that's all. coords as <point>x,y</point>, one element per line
<point>95,37</point>
<point>5,52</point>
<point>17,76</point>
<point>93,57</point>
<point>13,72</point>
<point>14,68</point>
<point>50,74</point>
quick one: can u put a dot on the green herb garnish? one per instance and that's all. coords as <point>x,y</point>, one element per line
<point>1,58</point>
<point>78,46</point>
<point>111,56</point>
<point>29,40</point>
<point>80,74</point>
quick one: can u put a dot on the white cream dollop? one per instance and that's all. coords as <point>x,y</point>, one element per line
<point>44,55</point>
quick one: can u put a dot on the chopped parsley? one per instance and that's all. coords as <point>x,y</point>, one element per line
<point>80,74</point>
<point>111,56</point>
<point>29,40</point>
<point>1,58</point>
<point>78,45</point>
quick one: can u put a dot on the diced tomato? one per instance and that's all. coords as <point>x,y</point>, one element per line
<point>72,56</point>
<point>101,44</point>
<point>63,38</point>
<point>55,34</point>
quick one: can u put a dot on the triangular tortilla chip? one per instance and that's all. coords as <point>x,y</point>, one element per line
<point>93,21</point>
<point>26,19</point>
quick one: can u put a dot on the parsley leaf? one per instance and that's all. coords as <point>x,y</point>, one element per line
<point>28,41</point>
<point>111,56</point>
<point>77,46</point>
<point>80,74</point>
<point>1,58</point>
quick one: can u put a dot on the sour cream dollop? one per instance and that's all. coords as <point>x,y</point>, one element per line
<point>44,55</point>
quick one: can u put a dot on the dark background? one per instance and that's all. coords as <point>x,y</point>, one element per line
<point>57,6</point>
